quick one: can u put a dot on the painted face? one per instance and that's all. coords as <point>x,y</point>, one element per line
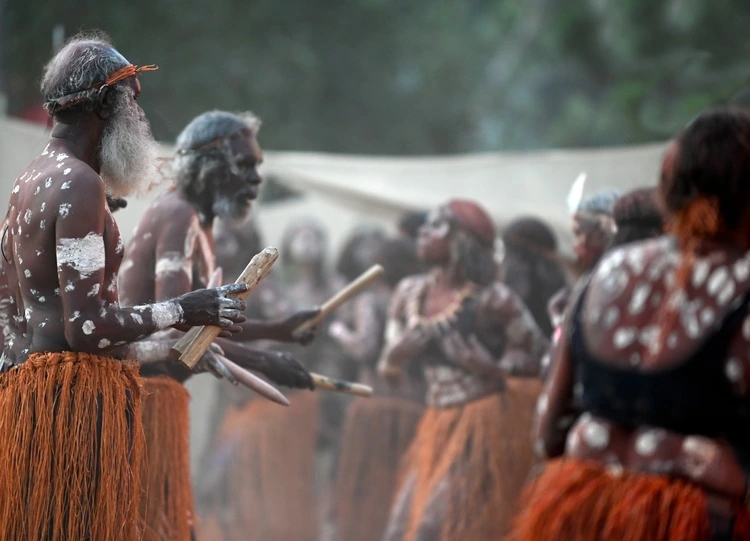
<point>590,241</point>
<point>432,239</point>
<point>307,245</point>
<point>240,188</point>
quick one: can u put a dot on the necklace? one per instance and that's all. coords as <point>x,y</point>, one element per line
<point>440,324</point>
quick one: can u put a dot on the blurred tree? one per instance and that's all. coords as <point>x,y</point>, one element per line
<point>417,77</point>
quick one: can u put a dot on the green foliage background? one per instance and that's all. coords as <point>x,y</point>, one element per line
<point>412,76</point>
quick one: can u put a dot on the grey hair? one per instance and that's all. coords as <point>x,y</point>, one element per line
<point>599,203</point>
<point>203,148</point>
<point>85,60</point>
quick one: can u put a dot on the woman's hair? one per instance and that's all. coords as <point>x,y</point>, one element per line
<point>638,216</point>
<point>531,267</point>
<point>471,241</point>
<point>360,251</point>
<point>705,174</point>
<point>704,188</point>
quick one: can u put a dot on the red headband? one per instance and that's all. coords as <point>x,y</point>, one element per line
<point>473,218</point>
<point>69,100</point>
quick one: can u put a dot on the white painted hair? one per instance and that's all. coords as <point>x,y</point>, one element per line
<point>86,59</point>
<point>193,165</point>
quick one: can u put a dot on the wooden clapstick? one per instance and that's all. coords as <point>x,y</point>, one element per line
<point>340,386</point>
<point>196,341</point>
<point>365,279</point>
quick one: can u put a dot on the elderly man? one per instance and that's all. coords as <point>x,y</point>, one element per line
<point>70,417</point>
<point>171,253</point>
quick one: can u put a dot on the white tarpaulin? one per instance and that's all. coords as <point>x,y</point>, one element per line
<point>342,189</point>
<point>507,184</point>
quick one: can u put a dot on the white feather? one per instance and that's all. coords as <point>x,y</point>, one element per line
<point>576,192</point>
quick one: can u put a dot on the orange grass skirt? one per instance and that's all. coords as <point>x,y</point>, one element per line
<point>584,501</point>
<point>484,450</point>
<point>377,432</point>
<point>264,489</point>
<point>71,449</point>
<point>167,503</point>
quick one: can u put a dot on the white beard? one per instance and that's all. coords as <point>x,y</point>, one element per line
<point>128,151</point>
<point>230,209</point>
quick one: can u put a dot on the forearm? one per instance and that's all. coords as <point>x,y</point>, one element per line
<point>255,329</point>
<point>246,357</point>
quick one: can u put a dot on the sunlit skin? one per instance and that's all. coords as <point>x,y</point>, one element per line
<point>64,249</point>
<point>172,252</point>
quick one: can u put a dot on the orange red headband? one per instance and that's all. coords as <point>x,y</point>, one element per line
<point>69,100</point>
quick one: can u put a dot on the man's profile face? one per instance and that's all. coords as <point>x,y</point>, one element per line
<point>240,188</point>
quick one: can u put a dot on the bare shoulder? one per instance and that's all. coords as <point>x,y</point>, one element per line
<point>169,211</point>
<point>77,181</point>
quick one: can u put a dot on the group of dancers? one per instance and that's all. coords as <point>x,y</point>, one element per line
<point>515,396</point>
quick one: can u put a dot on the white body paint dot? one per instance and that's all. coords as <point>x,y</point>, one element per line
<point>648,442</point>
<point>624,337</point>
<point>88,327</point>
<point>596,435</point>
<point>103,343</point>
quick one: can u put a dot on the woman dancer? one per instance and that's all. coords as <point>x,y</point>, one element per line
<point>474,338</point>
<point>654,366</point>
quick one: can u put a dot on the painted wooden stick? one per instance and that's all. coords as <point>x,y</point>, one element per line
<point>253,382</point>
<point>325,383</point>
<point>365,279</point>
<point>194,344</point>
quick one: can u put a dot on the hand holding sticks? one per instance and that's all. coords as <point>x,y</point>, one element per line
<point>197,340</point>
<point>365,279</point>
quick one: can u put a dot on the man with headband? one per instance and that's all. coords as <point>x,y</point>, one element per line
<point>171,253</point>
<point>70,419</point>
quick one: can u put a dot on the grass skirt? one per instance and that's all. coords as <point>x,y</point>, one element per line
<point>167,503</point>
<point>72,449</point>
<point>584,501</point>
<point>263,484</point>
<point>377,432</point>
<point>483,450</point>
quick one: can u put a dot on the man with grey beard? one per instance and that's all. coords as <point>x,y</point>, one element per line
<point>171,253</point>
<point>70,411</point>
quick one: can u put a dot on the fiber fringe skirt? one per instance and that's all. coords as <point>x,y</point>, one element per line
<point>377,432</point>
<point>262,487</point>
<point>167,503</point>
<point>585,501</point>
<point>71,449</point>
<point>477,456</point>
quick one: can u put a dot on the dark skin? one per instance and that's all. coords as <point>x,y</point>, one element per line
<point>64,251</point>
<point>172,252</point>
<point>520,356</point>
<point>710,463</point>
<point>590,241</point>
<point>499,312</point>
